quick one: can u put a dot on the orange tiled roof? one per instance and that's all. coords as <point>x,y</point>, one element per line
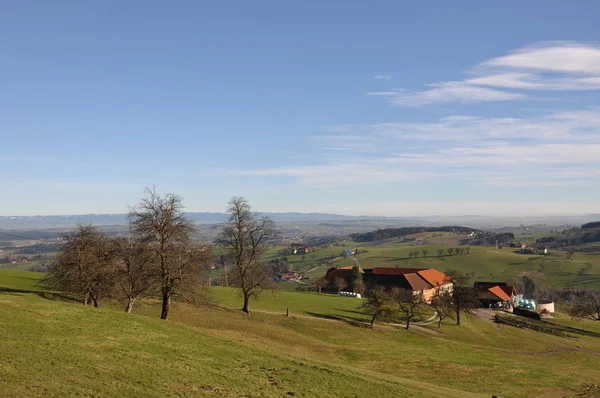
<point>434,277</point>
<point>498,292</point>
<point>416,282</point>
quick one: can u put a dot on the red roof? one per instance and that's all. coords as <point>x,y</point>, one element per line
<point>416,282</point>
<point>498,292</point>
<point>434,277</point>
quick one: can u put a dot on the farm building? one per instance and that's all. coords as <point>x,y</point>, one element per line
<point>492,292</point>
<point>301,249</point>
<point>343,273</point>
<point>426,282</point>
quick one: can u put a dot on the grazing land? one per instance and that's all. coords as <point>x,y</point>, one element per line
<point>487,263</point>
<point>49,343</point>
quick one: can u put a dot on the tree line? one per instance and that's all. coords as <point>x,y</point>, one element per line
<point>388,233</point>
<point>159,257</point>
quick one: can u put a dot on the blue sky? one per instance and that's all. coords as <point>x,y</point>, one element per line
<point>376,108</point>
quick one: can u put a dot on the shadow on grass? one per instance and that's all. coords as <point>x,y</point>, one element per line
<point>54,296</point>
<point>348,320</point>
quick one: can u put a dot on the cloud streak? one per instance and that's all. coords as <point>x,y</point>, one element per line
<point>560,149</point>
<point>558,66</point>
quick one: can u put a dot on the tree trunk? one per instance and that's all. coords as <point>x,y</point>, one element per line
<point>166,303</point>
<point>440,322</point>
<point>86,298</point>
<point>95,302</point>
<point>373,319</point>
<point>129,306</point>
<point>458,317</point>
<point>407,323</point>
<point>245,308</point>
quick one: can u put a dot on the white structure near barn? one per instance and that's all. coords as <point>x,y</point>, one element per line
<point>545,306</point>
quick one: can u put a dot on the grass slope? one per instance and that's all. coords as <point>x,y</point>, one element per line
<point>489,263</point>
<point>54,348</point>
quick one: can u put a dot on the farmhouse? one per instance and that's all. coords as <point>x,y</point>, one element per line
<point>426,282</point>
<point>300,249</point>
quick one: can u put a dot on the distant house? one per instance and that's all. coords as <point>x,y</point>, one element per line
<point>426,282</point>
<point>301,249</point>
<point>289,276</point>
<point>492,292</point>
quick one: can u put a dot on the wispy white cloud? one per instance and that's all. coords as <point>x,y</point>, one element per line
<point>385,77</point>
<point>555,150</point>
<point>565,57</point>
<point>558,66</point>
<point>447,92</point>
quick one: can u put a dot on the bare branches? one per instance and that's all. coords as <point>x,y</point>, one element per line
<point>340,283</point>
<point>587,306</point>
<point>407,303</point>
<point>244,236</point>
<point>159,222</point>
<point>84,265</point>
<point>464,296</point>
<point>378,304</point>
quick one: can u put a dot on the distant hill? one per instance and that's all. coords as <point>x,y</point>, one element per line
<point>588,233</point>
<point>388,233</point>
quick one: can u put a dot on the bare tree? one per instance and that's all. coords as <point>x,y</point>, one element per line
<point>450,251</point>
<point>340,283</point>
<point>134,271</point>
<point>320,283</point>
<point>425,251</point>
<point>359,286</point>
<point>407,303</point>
<point>159,221</point>
<point>586,305</point>
<point>467,250</point>
<point>245,235</point>
<point>464,296</point>
<point>440,252</point>
<point>84,265</point>
<point>377,304</point>
<point>442,304</point>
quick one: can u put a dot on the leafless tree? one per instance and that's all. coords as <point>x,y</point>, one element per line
<point>450,251</point>
<point>159,221</point>
<point>407,303</point>
<point>245,235</point>
<point>425,251</point>
<point>377,304</point>
<point>464,296</point>
<point>467,250</point>
<point>442,303</point>
<point>587,305</point>
<point>320,283</point>
<point>440,252</point>
<point>84,265</point>
<point>359,286</point>
<point>340,283</point>
<point>135,276</point>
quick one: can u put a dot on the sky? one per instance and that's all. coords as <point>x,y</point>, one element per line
<point>383,108</point>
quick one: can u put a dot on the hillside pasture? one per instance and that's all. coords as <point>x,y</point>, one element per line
<point>58,349</point>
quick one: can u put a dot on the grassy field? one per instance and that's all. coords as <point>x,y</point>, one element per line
<point>488,263</point>
<point>54,348</point>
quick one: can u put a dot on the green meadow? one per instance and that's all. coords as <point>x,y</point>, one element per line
<point>487,263</point>
<point>53,347</point>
